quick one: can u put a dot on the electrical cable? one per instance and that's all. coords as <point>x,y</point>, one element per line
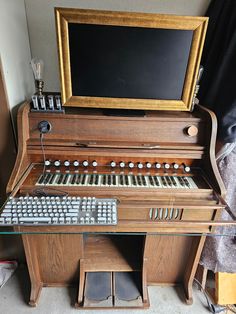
<point>212,308</point>
<point>43,152</point>
<point>41,191</point>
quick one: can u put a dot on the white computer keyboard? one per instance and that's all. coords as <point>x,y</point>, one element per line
<point>55,210</point>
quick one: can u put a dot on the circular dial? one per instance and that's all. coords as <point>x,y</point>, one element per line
<point>85,163</point>
<point>113,164</point>
<point>66,163</point>
<point>57,163</point>
<point>76,163</point>
<point>148,165</point>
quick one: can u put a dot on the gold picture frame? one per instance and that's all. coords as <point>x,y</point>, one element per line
<point>196,24</point>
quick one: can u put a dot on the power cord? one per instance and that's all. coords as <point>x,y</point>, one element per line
<point>212,307</point>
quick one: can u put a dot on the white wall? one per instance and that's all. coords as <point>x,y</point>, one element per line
<point>15,51</point>
<point>41,22</point>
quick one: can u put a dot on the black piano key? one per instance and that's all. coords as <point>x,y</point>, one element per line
<point>151,181</point>
<point>109,179</point>
<point>144,181</point>
<point>41,179</point>
<point>163,181</point>
<point>169,182</point>
<point>121,180</point>
<point>156,181</point>
<point>91,179</point>
<point>181,181</point>
<point>139,181</point>
<point>78,179</point>
<point>73,178</point>
<point>186,182</point>
<point>134,182</point>
<point>61,177</point>
<point>113,180</point>
<point>173,181</point>
<point>96,179</point>
<point>65,179</point>
<point>126,180</point>
<point>104,180</point>
<point>83,179</point>
<point>47,178</point>
<point>52,178</point>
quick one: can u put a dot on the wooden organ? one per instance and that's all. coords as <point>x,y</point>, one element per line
<point>156,201</point>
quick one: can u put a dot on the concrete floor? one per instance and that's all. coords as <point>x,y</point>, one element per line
<point>164,300</point>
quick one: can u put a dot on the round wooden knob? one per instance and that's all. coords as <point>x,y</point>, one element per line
<point>192,130</point>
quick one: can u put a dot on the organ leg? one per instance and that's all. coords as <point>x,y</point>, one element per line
<point>193,260</point>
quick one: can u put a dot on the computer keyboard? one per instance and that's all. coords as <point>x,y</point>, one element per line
<point>55,210</point>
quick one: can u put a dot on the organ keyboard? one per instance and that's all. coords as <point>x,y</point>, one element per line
<point>116,180</point>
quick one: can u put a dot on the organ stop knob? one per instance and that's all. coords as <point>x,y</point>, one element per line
<point>66,163</point>
<point>175,166</point>
<point>157,165</point>
<point>186,168</point>
<point>122,164</point>
<point>47,163</point>
<point>76,163</point>
<point>166,165</point>
<point>57,163</point>
<point>131,164</point>
<point>85,163</point>
<point>113,164</point>
<point>148,165</point>
<point>94,163</point>
<point>140,165</point>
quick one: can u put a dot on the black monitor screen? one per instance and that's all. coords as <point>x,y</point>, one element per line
<point>128,62</point>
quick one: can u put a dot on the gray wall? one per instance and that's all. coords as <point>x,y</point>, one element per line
<point>15,51</point>
<point>41,21</point>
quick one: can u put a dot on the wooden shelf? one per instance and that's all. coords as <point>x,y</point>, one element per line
<point>108,253</point>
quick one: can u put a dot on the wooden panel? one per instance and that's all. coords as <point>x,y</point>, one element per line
<point>57,257</point>
<point>225,288</point>
<point>161,251</point>
<point>104,128</point>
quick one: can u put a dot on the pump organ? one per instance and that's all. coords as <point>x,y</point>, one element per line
<point>174,191</point>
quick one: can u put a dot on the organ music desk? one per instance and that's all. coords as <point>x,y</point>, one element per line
<point>160,168</point>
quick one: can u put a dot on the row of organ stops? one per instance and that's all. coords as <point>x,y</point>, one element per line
<point>121,164</point>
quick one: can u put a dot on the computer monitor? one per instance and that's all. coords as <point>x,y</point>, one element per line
<point>128,60</point>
